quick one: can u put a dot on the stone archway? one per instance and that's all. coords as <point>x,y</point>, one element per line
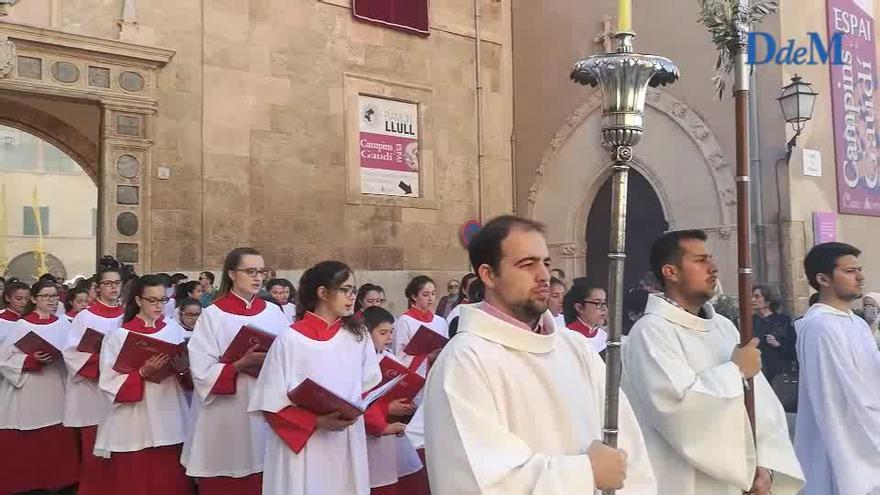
<point>679,156</point>
<point>54,70</point>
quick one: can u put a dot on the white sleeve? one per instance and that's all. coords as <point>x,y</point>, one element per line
<point>73,358</point>
<point>273,384</point>
<point>403,333</point>
<point>11,357</point>
<point>204,356</point>
<point>848,418</point>
<point>686,407</point>
<point>110,380</point>
<point>469,452</point>
<point>372,373</point>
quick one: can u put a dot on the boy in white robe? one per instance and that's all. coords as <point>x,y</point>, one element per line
<point>513,405</point>
<point>683,373</point>
<point>837,434</point>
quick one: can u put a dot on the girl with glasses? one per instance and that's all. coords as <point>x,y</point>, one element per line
<point>86,405</point>
<point>310,454</point>
<point>185,290</point>
<point>144,431</point>
<point>585,307</point>
<point>42,453</point>
<point>369,295</point>
<point>226,446</point>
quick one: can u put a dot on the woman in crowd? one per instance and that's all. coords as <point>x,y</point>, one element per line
<point>226,447</point>
<point>778,338</point>
<point>586,308</point>
<point>41,453</point>
<point>369,295</point>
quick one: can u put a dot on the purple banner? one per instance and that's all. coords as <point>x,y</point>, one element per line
<point>852,98</point>
<point>824,227</point>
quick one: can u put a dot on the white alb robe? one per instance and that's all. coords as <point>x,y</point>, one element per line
<point>513,412</point>
<point>289,311</point>
<point>86,404</point>
<point>31,400</point>
<point>225,440</point>
<point>406,327</point>
<point>688,396</point>
<point>391,457</point>
<point>170,309</point>
<point>161,418</point>
<point>332,462</point>
<point>837,434</point>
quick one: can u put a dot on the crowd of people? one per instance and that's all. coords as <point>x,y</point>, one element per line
<point>512,405</point>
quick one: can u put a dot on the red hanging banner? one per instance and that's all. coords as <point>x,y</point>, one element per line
<point>410,16</point>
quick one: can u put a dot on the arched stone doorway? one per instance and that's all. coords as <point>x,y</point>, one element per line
<point>645,222</point>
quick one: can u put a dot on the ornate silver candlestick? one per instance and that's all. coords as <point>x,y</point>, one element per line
<point>623,77</point>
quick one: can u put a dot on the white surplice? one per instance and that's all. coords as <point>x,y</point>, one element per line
<point>513,412</point>
<point>332,462</point>
<point>289,311</point>
<point>688,397</point>
<point>30,400</point>
<point>225,440</point>
<point>86,404</point>
<point>837,434</point>
<point>391,457</point>
<point>161,418</point>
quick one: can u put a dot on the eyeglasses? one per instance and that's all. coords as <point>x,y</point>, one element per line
<point>598,304</point>
<point>154,300</point>
<point>191,315</point>
<point>112,283</point>
<point>47,297</point>
<point>348,290</point>
<point>253,272</point>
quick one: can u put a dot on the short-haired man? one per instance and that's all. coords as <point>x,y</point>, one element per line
<point>554,302</point>
<point>207,281</point>
<point>837,433</point>
<point>684,371</point>
<point>513,405</point>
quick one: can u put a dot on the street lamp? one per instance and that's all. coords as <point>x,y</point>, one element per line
<point>797,102</point>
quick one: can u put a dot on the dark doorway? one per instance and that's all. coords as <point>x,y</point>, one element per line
<point>645,222</point>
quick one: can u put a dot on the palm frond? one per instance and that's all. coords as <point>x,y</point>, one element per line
<point>723,20</point>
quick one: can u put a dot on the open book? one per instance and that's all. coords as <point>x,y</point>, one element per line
<point>246,338</point>
<point>319,400</point>
<point>425,341</point>
<point>91,341</point>
<point>138,348</point>
<point>409,385</point>
<point>32,343</point>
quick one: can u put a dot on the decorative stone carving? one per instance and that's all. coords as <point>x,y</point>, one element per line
<point>605,37</point>
<point>7,57</point>
<point>571,250</point>
<point>6,6</point>
<point>689,121</point>
<point>131,81</point>
<point>30,67</point>
<point>127,195</point>
<point>128,125</point>
<point>127,166</point>
<point>65,72</point>
<point>99,77</point>
<point>127,223</point>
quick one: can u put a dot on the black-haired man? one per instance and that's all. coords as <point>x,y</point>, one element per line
<point>514,405</point>
<point>683,372</point>
<point>838,425</point>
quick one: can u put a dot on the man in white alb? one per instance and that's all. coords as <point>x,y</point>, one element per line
<point>684,372</point>
<point>837,434</point>
<point>514,405</point>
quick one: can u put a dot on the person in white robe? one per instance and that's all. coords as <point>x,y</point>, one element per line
<point>86,405</point>
<point>281,291</point>
<point>684,375</point>
<point>837,433</point>
<point>310,454</point>
<point>226,447</point>
<point>41,453</point>
<point>143,434</point>
<point>586,309</point>
<point>514,405</point>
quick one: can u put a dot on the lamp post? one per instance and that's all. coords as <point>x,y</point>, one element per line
<point>623,78</point>
<point>797,101</point>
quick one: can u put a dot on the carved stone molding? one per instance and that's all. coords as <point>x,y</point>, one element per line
<point>570,250</point>
<point>688,120</point>
<point>7,57</point>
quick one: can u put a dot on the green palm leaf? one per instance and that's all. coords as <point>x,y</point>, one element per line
<point>722,19</point>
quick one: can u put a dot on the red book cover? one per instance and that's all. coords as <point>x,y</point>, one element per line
<point>137,348</point>
<point>317,399</point>
<point>32,343</point>
<point>425,341</point>
<point>246,338</point>
<point>408,387</point>
<point>91,341</point>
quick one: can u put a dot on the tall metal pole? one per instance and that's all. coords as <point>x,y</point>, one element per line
<point>623,78</point>
<point>743,215</point>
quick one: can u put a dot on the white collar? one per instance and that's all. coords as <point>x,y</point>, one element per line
<point>478,322</point>
<point>674,313</point>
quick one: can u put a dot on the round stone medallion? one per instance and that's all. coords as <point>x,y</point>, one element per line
<point>131,81</point>
<point>65,72</point>
<point>127,166</point>
<point>127,223</point>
